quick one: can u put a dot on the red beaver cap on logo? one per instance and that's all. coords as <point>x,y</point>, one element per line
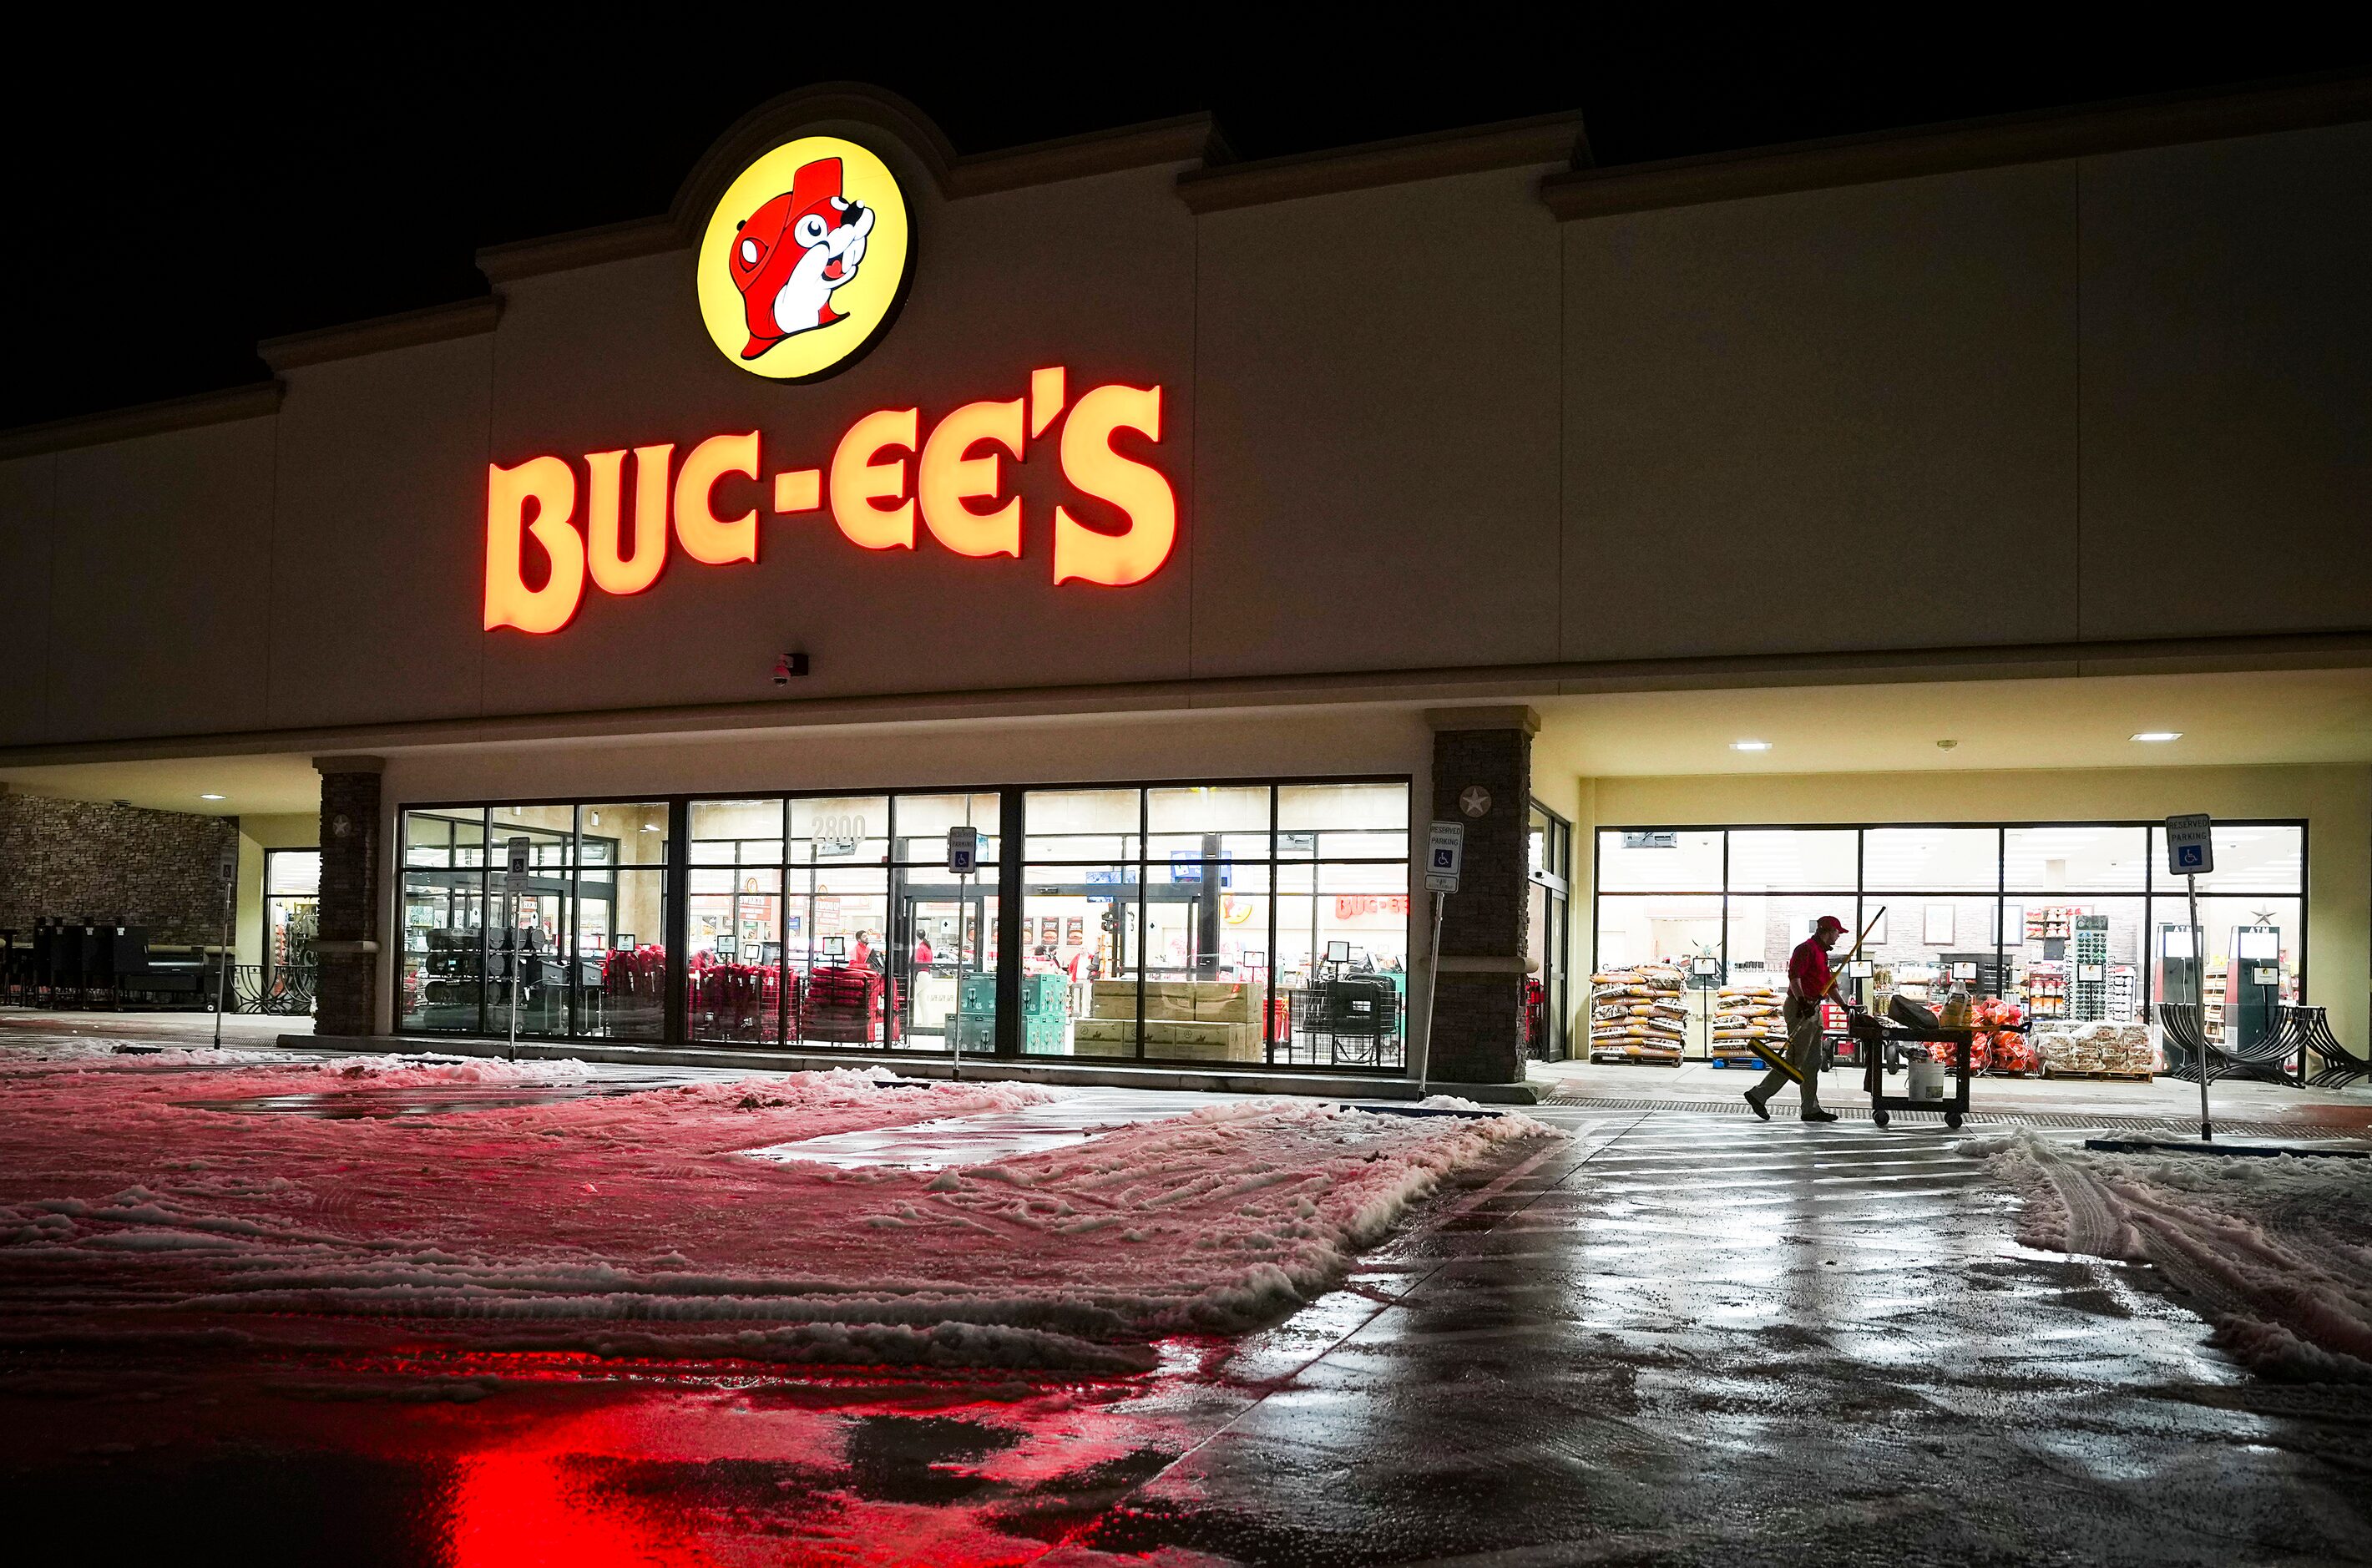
<point>761,258</point>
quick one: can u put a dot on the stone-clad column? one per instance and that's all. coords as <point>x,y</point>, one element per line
<point>347,1000</point>
<point>1483,777</point>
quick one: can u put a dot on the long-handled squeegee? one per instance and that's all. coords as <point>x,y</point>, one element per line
<point>1772,1058</point>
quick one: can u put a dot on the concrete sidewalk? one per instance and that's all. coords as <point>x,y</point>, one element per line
<point>1701,1086</point>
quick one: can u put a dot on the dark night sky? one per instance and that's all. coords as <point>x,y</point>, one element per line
<point>173,209</point>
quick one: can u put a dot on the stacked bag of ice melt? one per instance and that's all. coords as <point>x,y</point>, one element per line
<point>1743,1013</point>
<point>2123,1049</point>
<point>1637,1015</point>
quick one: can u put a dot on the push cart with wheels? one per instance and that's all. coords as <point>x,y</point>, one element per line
<point>1872,1035</point>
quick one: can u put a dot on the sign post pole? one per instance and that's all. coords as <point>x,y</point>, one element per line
<point>2190,853</point>
<point>963,859</point>
<point>1445,855</point>
<point>514,883</point>
<point>228,869</point>
<point>2199,995</point>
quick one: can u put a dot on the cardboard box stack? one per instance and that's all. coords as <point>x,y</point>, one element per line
<point>1637,1015</point>
<point>1197,1020</point>
<point>1743,1013</point>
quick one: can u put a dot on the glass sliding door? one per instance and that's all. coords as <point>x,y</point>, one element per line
<point>292,919</point>
<point>733,934</point>
<point>620,961</point>
<point>1086,850</point>
<point>941,924</point>
<point>440,970</point>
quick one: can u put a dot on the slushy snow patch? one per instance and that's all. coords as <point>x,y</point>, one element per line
<point>627,1224</point>
<point>2276,1252</point>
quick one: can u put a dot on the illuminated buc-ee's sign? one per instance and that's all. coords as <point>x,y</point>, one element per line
<point>803,265</point>
<point>885,476</point>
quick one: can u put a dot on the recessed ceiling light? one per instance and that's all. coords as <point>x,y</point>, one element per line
<point>1750,745</point>
<point>2156,736</point>
<point>213,797</point>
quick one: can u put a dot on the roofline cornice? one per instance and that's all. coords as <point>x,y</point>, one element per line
<point>256,400</point>
<point>431,324</point>
<point>1559,139</point>
<point>1958,147</point>
<point>1190,138</point>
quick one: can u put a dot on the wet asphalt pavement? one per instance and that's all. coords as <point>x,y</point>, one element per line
<point>1682,1338</point>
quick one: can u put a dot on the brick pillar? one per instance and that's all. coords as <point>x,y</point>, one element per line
<point>1478,1014</point>
<point>347,1001</point>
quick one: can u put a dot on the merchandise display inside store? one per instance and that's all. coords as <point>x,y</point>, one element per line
<point>1262,923</point>
<point>2058,926</point>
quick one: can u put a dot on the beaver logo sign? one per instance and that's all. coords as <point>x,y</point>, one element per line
<point>805,259</point>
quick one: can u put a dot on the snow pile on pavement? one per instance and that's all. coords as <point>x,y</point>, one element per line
<point>2276,1251</point>
<point>629,1224</point>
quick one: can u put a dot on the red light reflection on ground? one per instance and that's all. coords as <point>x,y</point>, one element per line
<point>878,1472</point>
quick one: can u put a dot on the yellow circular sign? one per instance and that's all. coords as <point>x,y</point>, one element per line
<point>805,259</point>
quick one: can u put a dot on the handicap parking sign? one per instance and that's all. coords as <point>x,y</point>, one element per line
<point>2190,845</point>
<point>1445,851</point>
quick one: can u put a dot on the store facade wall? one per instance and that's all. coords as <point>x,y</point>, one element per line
<point>1444,424</point>
<point>96,861</point>
<point>1720,401</point>
<point>2333,803</point>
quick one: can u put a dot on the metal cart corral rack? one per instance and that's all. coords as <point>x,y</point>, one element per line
<point>1872,1035</point>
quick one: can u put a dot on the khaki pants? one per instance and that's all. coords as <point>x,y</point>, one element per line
<point>1803,1052</point>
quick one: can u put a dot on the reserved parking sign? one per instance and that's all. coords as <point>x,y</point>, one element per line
<point>2190,845</point>
<point>1445,855</point>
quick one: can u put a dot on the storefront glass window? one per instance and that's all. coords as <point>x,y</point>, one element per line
<point>2250,858</point>
<point>1648,928</point>
<point>1546,930</point>
<point>1341,963</point>
<point>840,831</point>
<point>1764,929</point>
<point>292,906</point>
<point>618,974</point>
<point>840,956</point>
<point>734,965</point>
<point>1931,859</point>
<point>1651,860</point>
<point>2053,914</point>
<point>2076,956</point>
<point>1084,826</point>
<point>2254,946</point>
<point>1792,859</point>
<point>2075,859</point>
<point>440,970</point>
<point>1342,822</point>
<point>1082,932</point>
<point>923,821</point>
<point>1154,922</point>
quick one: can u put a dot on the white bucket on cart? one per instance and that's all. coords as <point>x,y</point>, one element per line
<point>1928,1080</point>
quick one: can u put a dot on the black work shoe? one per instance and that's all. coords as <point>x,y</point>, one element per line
<point>1759,1108</point>
<point>1819,1115</point>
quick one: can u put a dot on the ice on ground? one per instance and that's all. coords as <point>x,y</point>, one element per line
<point>623,1223</point>
<point>2275,1251</point>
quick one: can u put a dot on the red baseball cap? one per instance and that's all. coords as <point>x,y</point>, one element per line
<point>1828,922</point>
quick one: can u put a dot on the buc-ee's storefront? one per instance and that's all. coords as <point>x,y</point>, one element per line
<point>1031,604</point>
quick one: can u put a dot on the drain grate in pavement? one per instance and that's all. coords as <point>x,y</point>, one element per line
<point>1974,1118</point>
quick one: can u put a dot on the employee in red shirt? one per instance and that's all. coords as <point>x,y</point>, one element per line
<point>1810,982</point>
